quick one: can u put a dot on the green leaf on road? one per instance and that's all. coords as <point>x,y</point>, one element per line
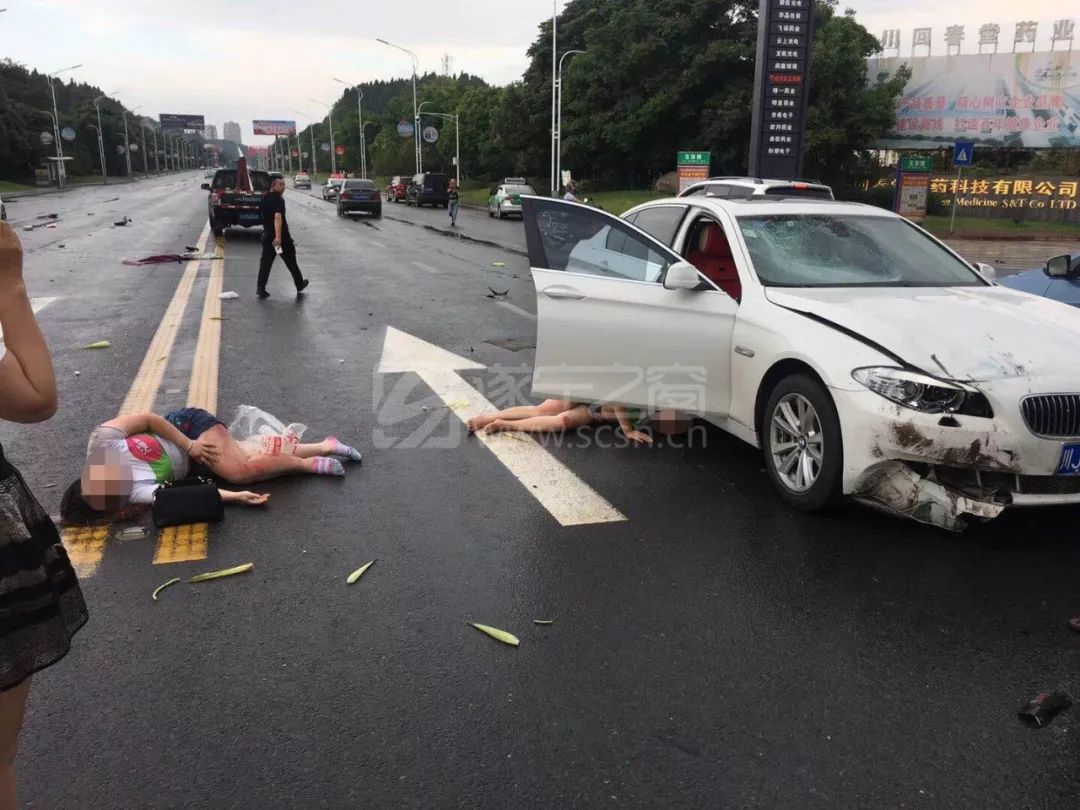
<point>101,344</point>
<point>500,635</point>
<point>162,587</point>
<point>225,572</point>
<point>359,572</point>
<point>498,264</point>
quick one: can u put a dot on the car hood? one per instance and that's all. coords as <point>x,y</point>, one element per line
<point>963,333</point>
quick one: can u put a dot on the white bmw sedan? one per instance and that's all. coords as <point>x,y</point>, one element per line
<point>864,357</point>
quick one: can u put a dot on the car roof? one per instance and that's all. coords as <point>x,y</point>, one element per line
<point>752,182</point>
<point>771,205</point>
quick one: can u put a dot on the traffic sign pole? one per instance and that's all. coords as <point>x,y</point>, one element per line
<point>952,219</point>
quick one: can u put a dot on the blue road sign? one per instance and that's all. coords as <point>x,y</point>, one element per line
<point>963,152</point>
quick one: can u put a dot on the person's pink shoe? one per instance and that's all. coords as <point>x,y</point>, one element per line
<point>1075,624</point>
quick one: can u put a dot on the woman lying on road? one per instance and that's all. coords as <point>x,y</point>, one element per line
<point>554,415</point>
<point>129,457</point>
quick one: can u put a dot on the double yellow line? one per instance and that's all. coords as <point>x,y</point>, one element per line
<point>86,546</point>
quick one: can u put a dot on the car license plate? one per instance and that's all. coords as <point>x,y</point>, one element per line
<point>249,217</point>
<point>1070,459</point>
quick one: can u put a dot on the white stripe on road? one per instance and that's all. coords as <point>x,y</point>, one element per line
<point>427,268</point>
<point>36,304</point>
<point>568,499</point>
<point>373,243</point>
<point>524,313</point>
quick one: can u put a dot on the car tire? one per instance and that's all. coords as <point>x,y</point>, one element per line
<point>216,229</point>
<point>377,213</point>
<point>491,213</point>
<point>810,485</point>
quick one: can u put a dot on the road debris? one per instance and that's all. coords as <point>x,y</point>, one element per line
<point>1042,708</point>
<point>543,622</point>
<point>359,572</point>
<point>98,344</point>
<point>224,572</point>
<point>499,635</point>
<point>228,294</point>
<point>496,294</point>
<point>498,264</point>
<point>131,533</point>
<point>161,258</point>
<point>163,586</point>
<point>51,225</point>
<point>122,222</point>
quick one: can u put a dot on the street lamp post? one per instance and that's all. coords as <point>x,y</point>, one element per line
<point>360,118</point>
<point>157,164</point>
<point>455,117</point>
<point>554,88</point>
<point>100,139</point>
<point>311,131</point>
<point>145,159</point>
<point>416,112</point>
<point>330,117</point>
<point>127,143</point>
<point>558,125</point>
<point>61,172</point>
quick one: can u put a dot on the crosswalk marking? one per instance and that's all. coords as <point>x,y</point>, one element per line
<point>36,304</point>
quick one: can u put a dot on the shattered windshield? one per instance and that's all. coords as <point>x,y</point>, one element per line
<point>819,250</point>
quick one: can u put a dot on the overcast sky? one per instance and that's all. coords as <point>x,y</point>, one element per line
<point>244,59</point>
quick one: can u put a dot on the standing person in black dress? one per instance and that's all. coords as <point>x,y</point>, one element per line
<point>41,606</point>
<point>276,239</point>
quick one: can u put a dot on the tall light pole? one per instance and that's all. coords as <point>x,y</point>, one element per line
<point>311,130</point>
<point>100,139</point>
<point>127,143</point>
<point>61,172</point>
<point>455,117</point>
<point>416,113</point>
<point>554,89</point>
<point>145,159</point>
<point>146,125</point>
<point>420,146</point>
<point>558,125</point>
<point>360,117</point>
<point>330,117</point>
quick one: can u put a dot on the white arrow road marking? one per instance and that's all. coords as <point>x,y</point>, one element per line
<point>570,500</point>
<point>36,304</point>
<point>524,313</point>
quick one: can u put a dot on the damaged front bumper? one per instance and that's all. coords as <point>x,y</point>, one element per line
<point>945,470</point>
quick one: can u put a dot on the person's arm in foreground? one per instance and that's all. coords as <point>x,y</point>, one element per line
<point>206,452</point>
<point>26,372</point>
<point>278,219</point>
<point>627,427</point>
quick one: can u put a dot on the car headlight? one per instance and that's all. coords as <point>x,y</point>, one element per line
<point>921,392</point>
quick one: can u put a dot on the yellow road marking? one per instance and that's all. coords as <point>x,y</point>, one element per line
<point>181,544</point>
<point>85,546</point>
<point>203,391</point>
<point>144,389</point>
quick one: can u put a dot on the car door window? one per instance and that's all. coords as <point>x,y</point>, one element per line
<point>661,222</point>
<point>578,239</point>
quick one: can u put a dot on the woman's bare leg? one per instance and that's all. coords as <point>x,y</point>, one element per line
<point>567,420</point>
<point>12,711</point>
<point>237,467</point>
<point>549,407</point>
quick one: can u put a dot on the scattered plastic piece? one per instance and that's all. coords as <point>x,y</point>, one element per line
<point>163,586</point>
<point>51,225</point>
<point>62,245</point>
<point>224,572</point>
<point>121,223</point>
<point>1042,708</point>
<point>131,533</point>
<point>191,248</point>
<point>498,264</point>
<point>99,344</point>
<point>217,318</point>
<point>229,294</point>
<point>544,621</point>
<point>359,572</point>
<point>162,258</point>
<point>496,294</point>
<point>500,635</point>
<point>341,360</point>
<point>28,227</point>
<point>77,373</point>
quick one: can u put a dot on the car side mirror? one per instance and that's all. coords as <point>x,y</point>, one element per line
<point>682,276</point>
<point>987,271</point>
<point>1059,266</point>
<point>205,186</point>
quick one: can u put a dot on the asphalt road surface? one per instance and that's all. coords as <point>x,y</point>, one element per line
<point>712,649</point>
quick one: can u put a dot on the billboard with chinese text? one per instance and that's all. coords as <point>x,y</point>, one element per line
<point>1044,198</point>
<point>174,122</point>
<point>1029,100</point>
<point>274,127</point>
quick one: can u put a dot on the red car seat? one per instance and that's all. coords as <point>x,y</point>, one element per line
<point>713,258</point>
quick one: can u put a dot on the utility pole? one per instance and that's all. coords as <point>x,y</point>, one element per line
<point>100,140</point>
<point>61,171</point>
<point>554,90</point>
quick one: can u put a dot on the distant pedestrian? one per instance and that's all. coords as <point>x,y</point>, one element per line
<point>276,239</point>
<point>455,202</point>
<point>571,192</point>
<point>42,604</point>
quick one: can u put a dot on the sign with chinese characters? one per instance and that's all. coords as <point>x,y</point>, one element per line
<point>912,187</point>
<point>988,35</point>
<point>1025,32</point>
<point>781,79</point>
<point>1063,32</point>
<point>264,127</point>
<point>1025,100</point>
<point>920,38</point>
<point>692,167</point>
<point>174,122</point>
<point>890,40</point>
<point>1056,198</point>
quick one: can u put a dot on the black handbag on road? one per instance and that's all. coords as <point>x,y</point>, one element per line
<point>193,500</point>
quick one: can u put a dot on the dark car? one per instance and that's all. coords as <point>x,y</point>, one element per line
<point>398,188</point>
<point>429,188</point>
<point>359,195</point>
<point>1058,279</point>
<point>228,205</point>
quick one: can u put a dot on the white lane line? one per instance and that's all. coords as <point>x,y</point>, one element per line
<point>36,304</point>
<point>427,268</point>
<point>566,497</point>
<point>524,313</point>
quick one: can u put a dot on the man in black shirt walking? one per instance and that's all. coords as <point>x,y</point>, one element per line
<point>276,239</point>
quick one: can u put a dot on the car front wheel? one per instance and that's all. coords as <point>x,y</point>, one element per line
<point>804,452</point>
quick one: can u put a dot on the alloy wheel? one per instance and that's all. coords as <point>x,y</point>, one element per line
<point>796,442</point>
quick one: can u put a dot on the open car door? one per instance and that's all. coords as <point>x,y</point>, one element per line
<point>609,329</point>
